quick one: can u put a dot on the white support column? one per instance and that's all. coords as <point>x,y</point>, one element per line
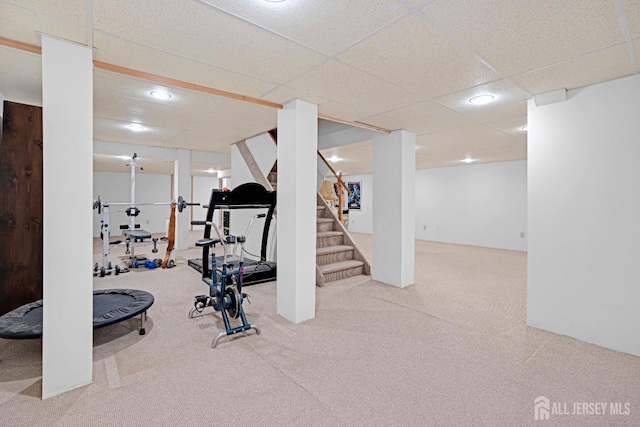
<point>296,236</point>
<point>394,176</point>
<point>67,99</point>
<point>182,186</point>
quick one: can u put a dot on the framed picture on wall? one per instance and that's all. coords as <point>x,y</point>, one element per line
<point>354,197</point>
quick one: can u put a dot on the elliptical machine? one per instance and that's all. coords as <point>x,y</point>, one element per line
<point>225,284</point>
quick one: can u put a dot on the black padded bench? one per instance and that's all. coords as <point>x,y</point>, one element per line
<point>137,235</point>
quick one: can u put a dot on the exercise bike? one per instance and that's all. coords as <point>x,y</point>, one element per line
<point>225,285</point>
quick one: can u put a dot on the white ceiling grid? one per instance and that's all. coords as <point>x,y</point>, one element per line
<point>397,64</point>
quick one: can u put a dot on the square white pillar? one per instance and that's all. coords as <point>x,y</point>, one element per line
<point>394,176</point>
<point>296,235</point>
<point>182,186</point>
<point>67,101</point>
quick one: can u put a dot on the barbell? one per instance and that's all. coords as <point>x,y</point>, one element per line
<point>181,204</point>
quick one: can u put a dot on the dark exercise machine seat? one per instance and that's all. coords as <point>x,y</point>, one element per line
<point>110,306</point>
<point>137,234</point>
<point>207,242</point>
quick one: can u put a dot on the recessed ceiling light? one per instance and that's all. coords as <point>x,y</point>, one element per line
<point>468,159</point>
<point>524,128</point>
<point>211,171</point>
<point>124,157</point>
<point>160,94</point>
<point>136,127</point>
<point>481,99</point>
<point>334,158</point>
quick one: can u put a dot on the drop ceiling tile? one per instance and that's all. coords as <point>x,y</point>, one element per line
<point>481,138</point>
<point>73,11</point>
<point>513,126</point>
<point>328,26</point>
<point>413,54</point>
<point>24,25</point>
<point>432,154</point>
<point>23,93</point>
<point>212,37</point>
<point>121,52</point>
<point>283,94</point>
<point>198,168</point>
<point>424,117</point>
<point>238,124</point>
<point>589,69</point>
<point>21,76</point>
<point>107,105</point>
<point>387,121</point>
<point>139,90</point>
<point>517,36</point>
<point>481,135</point>
<point>19,65</point>
<point>632,12</point>
<point>347,85</point>
<point>508,101</point>
<point>442,142</point>
<point>252,112</point>
<point>354,158</point>
<point>217,142</point>
<point>116,131</point>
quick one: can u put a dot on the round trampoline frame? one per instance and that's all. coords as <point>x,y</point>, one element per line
<point>25,322</point>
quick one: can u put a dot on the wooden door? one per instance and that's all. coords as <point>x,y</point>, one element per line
<point>20,206</point>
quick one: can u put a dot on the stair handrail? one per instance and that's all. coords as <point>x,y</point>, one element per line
<point>340,182</point>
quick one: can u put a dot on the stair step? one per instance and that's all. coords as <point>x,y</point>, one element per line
<point>333,254</point>
<point>341,270</point>
<point>324,224</point>
<point>329,238</point>
<point>320,211</point>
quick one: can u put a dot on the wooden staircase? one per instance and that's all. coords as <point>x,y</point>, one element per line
<point>337,256</point>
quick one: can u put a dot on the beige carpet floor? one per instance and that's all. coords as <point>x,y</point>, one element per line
<point>451,350</point>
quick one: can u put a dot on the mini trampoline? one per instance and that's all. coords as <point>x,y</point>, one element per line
<point>109,306</point>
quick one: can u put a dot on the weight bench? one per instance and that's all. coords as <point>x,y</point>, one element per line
<point>137,235</point>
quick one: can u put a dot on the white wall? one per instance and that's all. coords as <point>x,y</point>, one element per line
<point>480,205</point>
<point>202,186</point>
<point>115,187</point>
<point>584,210</point>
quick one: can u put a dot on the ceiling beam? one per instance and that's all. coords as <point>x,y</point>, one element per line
<point>182,84</point>
<point>355,124</point>
<point>27,47</point>
<point>20,45</point>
